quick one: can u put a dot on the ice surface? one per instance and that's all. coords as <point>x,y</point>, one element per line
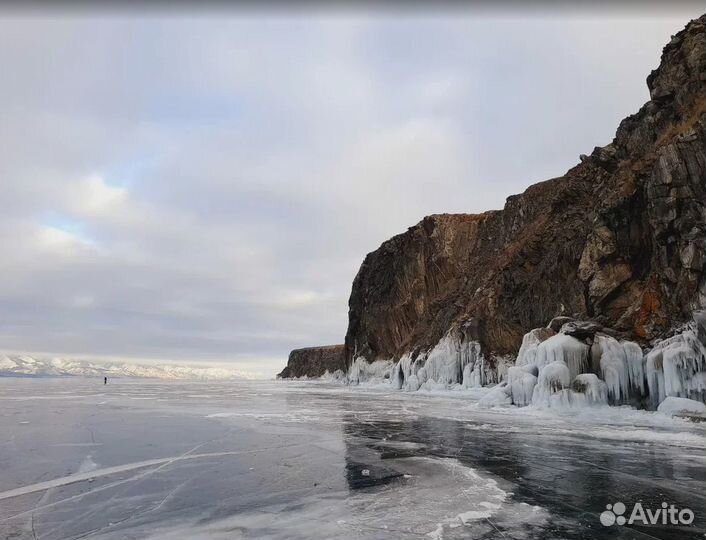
<point>285,459</point>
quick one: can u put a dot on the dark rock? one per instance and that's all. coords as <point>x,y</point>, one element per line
<point>583,330</point>
<point>557,322</point>
<point>314,362</point>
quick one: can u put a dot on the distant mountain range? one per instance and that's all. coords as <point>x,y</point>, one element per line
<point>31,366</point>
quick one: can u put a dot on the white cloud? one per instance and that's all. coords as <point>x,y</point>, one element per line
<point>94,197</point>
<point>60,242</point>
<point>207,189</point>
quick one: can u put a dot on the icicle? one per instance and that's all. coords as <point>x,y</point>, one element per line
<point>401,372</point>
<point>681,363</point>
<point>443,365</point>
<point>562,348</point>
<point>553,378</point>
<point>635,362</point>
<point>614,369</point>
<point>655,376</point>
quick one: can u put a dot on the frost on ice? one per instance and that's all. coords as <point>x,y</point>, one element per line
<point>576,367</point>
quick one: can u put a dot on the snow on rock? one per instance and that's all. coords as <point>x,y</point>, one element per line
<point>676,405</point>
<point>527,354</point>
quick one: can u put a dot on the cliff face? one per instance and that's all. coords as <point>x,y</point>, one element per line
<point>314,361</point>
<point>619,239</point>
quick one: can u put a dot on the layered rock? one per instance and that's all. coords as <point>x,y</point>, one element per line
<point>314,362</point>
<point>620,240</point>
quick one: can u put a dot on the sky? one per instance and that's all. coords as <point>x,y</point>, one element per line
<point>204,186</point>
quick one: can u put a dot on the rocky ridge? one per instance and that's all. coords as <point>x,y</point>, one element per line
<point>314,362</point>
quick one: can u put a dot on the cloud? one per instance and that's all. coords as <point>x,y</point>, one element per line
<point>94,197</point>
<point>207,188</point>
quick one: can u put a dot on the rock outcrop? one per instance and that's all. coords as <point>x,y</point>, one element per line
<point>314,362</point>
<point>619,240</point>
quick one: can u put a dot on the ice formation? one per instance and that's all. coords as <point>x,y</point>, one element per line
<point>676,367</point>
<point>553,377</point>
<point>522,380</point>
<point>566,349</point>
<point>589,388</point>
<point>557,369</point>
<point>528,350</point>
<point>363,371</point>
<point>676,405</point>
<point>621,364</point>
<point>497,396</point>
<point>452,361</point>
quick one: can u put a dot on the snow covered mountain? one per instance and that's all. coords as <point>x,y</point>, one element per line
<point>23,365</point>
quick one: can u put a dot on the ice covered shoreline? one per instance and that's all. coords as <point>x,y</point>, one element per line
<point>566,365</point>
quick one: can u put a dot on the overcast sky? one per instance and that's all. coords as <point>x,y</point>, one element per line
<point>205,188</point>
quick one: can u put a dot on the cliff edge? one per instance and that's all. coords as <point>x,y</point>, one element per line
<point>620,239</point>
<point>314,362</point>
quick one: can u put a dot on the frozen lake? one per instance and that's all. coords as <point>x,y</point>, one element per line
<point>175,460</point>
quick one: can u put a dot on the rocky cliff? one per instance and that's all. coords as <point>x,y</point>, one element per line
<point>314,362</point>
<point>620,239</point>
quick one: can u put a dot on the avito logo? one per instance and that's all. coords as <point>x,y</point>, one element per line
<point>668,514</point>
